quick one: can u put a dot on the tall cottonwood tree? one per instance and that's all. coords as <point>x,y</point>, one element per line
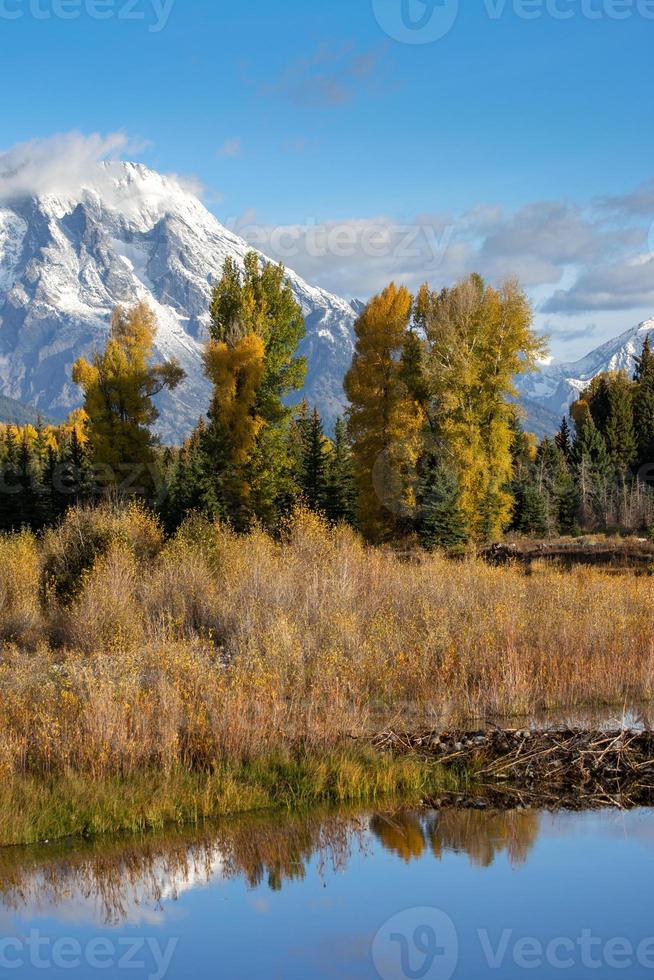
<point>384,419</point>
<point>251,360</point>
<point>119,386</point>
<point>477,339</point>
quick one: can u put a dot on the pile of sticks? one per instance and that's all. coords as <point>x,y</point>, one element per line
<point>556,767</point>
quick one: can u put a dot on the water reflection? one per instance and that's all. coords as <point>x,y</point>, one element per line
<point>480,835</point>
<point>130,881</point>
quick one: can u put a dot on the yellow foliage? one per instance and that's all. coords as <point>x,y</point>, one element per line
<point>478,339</point>
<point>385,421</point>
<point>236,373</point>
<point>119,385</point>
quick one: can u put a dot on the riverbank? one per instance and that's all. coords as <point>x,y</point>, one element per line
<point>37,809</point>
<point>497,769</point>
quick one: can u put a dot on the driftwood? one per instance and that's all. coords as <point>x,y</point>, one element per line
<point>571,767</point>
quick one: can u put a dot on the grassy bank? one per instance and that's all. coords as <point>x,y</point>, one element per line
<point>33,808</point>
<point>124,654</point>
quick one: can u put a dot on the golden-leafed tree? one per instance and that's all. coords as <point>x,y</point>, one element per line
<point>251,360</point>
<point>384,418</point>
<point>477,339</point>
<point>119,386</point>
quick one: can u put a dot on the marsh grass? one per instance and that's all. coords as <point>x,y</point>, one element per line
<point>123,654</point>
<point>34,809</point>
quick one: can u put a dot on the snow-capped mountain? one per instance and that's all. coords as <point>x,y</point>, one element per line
<point>133,234</point>
<point>557,385</point>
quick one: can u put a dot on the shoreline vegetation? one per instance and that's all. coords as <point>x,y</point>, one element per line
<point>148,680</point>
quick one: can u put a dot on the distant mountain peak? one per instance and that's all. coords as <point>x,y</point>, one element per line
<point>556,385</point>
<point>125,235</point>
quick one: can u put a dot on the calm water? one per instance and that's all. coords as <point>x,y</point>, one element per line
<point>349,895</point>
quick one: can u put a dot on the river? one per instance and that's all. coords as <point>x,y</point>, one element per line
<point>392,895</point>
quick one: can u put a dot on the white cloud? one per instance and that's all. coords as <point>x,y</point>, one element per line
<point>63,164</point>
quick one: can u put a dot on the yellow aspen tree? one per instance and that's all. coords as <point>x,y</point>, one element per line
<point>478,339</point>
<point>384,419</point>
<point>119,385</point>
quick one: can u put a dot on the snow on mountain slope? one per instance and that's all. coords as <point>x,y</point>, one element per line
<point>556,385</point>
<point>133,234</point>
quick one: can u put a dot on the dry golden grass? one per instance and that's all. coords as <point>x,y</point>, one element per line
<point>121,651</point>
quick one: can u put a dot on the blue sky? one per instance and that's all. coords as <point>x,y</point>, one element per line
<point>526,142</point>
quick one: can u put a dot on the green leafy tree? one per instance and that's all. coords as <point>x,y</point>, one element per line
<point>477,340</point>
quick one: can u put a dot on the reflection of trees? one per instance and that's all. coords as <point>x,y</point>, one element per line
<point>115,880</point>
<point>276,850</point>
<point>401,833</point>
<point>479,834</point>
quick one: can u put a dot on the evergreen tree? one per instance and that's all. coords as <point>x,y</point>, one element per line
<point>32,501</point>
<point>644,405</point>
<point>557,485</point>
<point>190,483</point>
<point>530,500</point>
<point>340,493</point>
<point>592,468</point>
<point>314,464</point>
<point>441,522</point>
<point>10,486</point>
<point>619,431</point>
<point>564,439</point>
<point>609,400</point>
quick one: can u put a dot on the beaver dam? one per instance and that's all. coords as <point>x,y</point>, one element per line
<point>634,555</point>
<point>559,768</point>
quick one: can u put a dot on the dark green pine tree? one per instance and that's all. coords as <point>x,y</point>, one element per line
<point>619,432</point>
<point>341,492</point>
<point>10,485</point>
<point>31,500</point>
<point>314,464</point>
<point>530,508</point>
<point>644,405</point>
<point>528,486</point>
<point>295,444</point>
<point>192,481</point>
<point>73,476</point>
<point>54,501</point>
<point>593,470</point>
<point>440,522</point>
<point>557,487</point>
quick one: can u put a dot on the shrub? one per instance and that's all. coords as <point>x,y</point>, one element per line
<point>86,534</point>
<point>20,568</point>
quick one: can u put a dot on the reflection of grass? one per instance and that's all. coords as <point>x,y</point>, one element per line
<point>36,809</point>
